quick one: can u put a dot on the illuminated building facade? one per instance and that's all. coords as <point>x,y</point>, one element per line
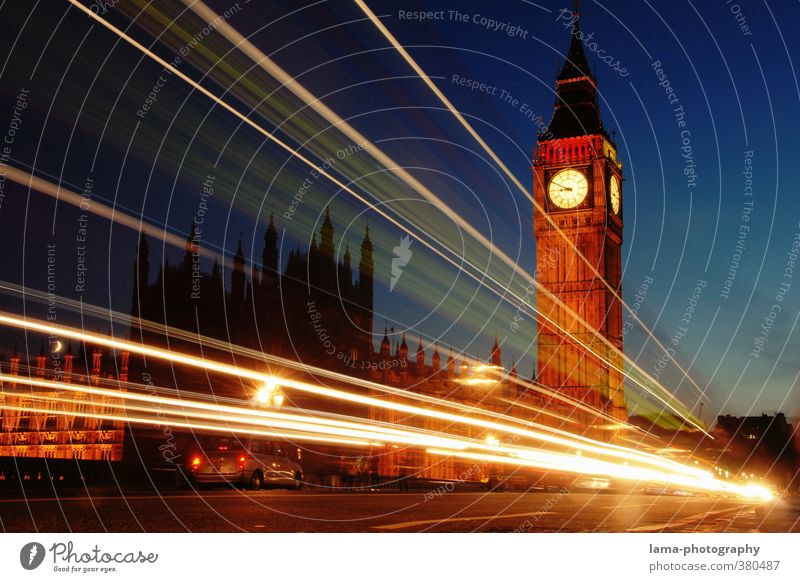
<point>578,187</point>
<point>52,423</point>
<point>485,386</point>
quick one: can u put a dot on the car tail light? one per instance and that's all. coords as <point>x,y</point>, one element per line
<point>242,460</point>
<point>195,463</point>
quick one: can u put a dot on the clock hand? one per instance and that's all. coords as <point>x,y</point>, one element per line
<point>561,186</point>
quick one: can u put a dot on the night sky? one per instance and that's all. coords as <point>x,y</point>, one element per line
<point>732,108</point>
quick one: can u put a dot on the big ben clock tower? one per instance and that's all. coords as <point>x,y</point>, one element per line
<point>579,206</point>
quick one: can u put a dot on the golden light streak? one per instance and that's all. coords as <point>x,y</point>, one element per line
<point>580,443</point>
<point>194,426</point>
<point>582,465</point>
<point>228,414</point>
<point>413,64</point>
<point>540,410</point>
<point>225,414</point>
<point>295,153</point>
<point>306,428</point>
<point>302,431</point>
<point>260,377</point>
<point>207,342</point>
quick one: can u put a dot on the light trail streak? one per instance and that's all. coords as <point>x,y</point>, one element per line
<point>227,414</point>
<point>579,443</point>
<point>288,81</point>
<point>540,410</point>
<point>209,342</point>
<point>194,426</point>
<point>244,372</point>
<point>503,295</point>
<point>60,193</point>
<point>299,428</point>
<point>429,82</point>
<point>449,446</point>
<point>628,473</point>
<point>302,424</point>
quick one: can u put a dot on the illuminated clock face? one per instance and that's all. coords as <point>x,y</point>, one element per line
<point>616,195</point>
<point>568,188</point>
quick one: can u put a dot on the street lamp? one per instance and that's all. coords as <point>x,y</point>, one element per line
<point>270,394</point>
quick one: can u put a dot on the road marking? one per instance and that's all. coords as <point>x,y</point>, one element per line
<point>627,506</point>
<point>405,524</point>
<point>687,520</point>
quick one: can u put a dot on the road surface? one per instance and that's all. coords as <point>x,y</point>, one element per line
<point>224,510</point>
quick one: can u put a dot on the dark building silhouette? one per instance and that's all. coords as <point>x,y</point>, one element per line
<point>314,311</point>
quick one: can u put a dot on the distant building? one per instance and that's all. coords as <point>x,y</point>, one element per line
<point>762,446</point>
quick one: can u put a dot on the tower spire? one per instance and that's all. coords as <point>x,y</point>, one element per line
<point>364,291</point>
<point>238,276</point>
<point>576,112</point>
<point>269,256</point>
<point>420,359</point>
<point>386,346</point>
<point>576,64</point>
<point>326,235</point>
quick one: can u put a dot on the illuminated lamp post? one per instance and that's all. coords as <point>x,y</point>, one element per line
<point>270,394</point>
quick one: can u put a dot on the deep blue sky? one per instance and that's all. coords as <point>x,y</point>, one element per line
<point>739,92</point>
